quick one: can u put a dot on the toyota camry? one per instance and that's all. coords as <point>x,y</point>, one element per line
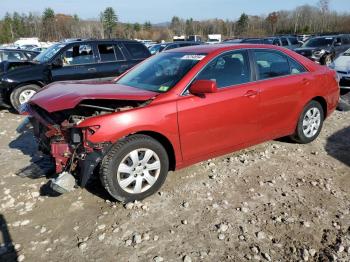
<point>175,109</point>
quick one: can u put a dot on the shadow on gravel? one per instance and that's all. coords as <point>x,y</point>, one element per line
<point>7,250</point>
<point>41,166</point>
<point>95,187</point>
<point>338,145</point>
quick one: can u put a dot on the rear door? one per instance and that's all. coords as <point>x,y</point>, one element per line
<point>281,81</point>
<point>79,63</point>
<point>111,61</point>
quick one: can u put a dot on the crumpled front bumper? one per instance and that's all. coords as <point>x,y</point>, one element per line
<point>68,146</point>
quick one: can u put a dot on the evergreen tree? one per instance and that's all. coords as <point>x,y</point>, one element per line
<point>109,21</point>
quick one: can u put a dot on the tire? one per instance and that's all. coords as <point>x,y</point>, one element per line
<point>119,159</point>
<point>22,94</point>
<point>308,131</point>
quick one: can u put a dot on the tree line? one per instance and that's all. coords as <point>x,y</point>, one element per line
<point>49,26</point>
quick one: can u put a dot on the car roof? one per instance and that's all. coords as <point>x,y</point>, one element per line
<point>207,49</point>
<point>16,50</point>
<point>78,41</point>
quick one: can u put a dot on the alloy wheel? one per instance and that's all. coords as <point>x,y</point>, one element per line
<point>25,95</point>
<point>311,122</point>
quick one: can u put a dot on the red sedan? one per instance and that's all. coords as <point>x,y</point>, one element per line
<point>178,108</point>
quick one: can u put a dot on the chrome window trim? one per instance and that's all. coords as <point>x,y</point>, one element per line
<point>185,90</point>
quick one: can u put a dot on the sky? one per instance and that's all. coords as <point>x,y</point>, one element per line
<point>158,11</point>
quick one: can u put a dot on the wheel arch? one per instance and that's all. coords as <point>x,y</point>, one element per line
<point>165,143</point>
<point>323,103</point>
<point>31,82</point>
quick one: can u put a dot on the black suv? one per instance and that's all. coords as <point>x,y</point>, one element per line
<point>324,49</point>
<point>74,60</point>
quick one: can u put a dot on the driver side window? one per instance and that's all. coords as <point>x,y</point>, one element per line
<point>78,55</point>
<point>228,70</point>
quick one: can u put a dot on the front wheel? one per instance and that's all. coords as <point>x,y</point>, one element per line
<point>22,94</point>
<point>135,167</point>
<point>310,123</point>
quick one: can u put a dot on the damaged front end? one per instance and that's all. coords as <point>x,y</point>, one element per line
<point>58,135</point>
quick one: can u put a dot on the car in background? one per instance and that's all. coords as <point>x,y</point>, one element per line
<point>324,49</point>
<point>171,45</point>
<point>303,38</point>
<point>39,49</point>
<point>342,66</point>
<point>260,41</point>
<point>17,55</point>
<point>290,42</point>
<point>178,108</point>
<point>71,60</point>
<point>28,47</point>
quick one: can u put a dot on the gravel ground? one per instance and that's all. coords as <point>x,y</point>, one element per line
<point>277,201</point>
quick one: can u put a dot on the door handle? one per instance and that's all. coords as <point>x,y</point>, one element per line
<point>251,93</point>
<point>92,69</point>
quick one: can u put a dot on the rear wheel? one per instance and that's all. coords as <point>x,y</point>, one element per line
<point>136,167</point>
<point>22,94</point>
<point>310,123</point>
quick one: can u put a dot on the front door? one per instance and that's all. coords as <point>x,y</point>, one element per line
<point>79,62</point>
<point>219,121</point>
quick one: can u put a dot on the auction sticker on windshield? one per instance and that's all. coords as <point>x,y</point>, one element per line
<point>193,57</point>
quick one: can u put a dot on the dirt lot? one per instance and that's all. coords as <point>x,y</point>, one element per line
<point>277,201</point>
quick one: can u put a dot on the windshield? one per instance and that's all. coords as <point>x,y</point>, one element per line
<point>317,42</point>
<point>49,53</point>
<point>161,72</point>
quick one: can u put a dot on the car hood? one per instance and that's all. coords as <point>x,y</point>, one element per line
<point>66,95</point>
<point>342,62</point>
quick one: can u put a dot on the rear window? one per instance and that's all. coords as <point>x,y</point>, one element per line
<point>284,41</point>
<point>293,41</point>
<point>106,52</point>
<point>137,51</point>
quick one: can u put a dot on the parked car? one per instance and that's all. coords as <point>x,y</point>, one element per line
<point>39,49</point>
<point>28,47</point>
<point>74,60</point>
<point>324,49</point>
<point>304,38</point>
<point>290,42</point>
<point>171,45</point>
<point>342,66</point>
<point>178,108</point>
<point>17,55</point>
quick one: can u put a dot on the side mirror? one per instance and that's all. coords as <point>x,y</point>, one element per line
<point>58,62</point>
<point>200,87</point>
